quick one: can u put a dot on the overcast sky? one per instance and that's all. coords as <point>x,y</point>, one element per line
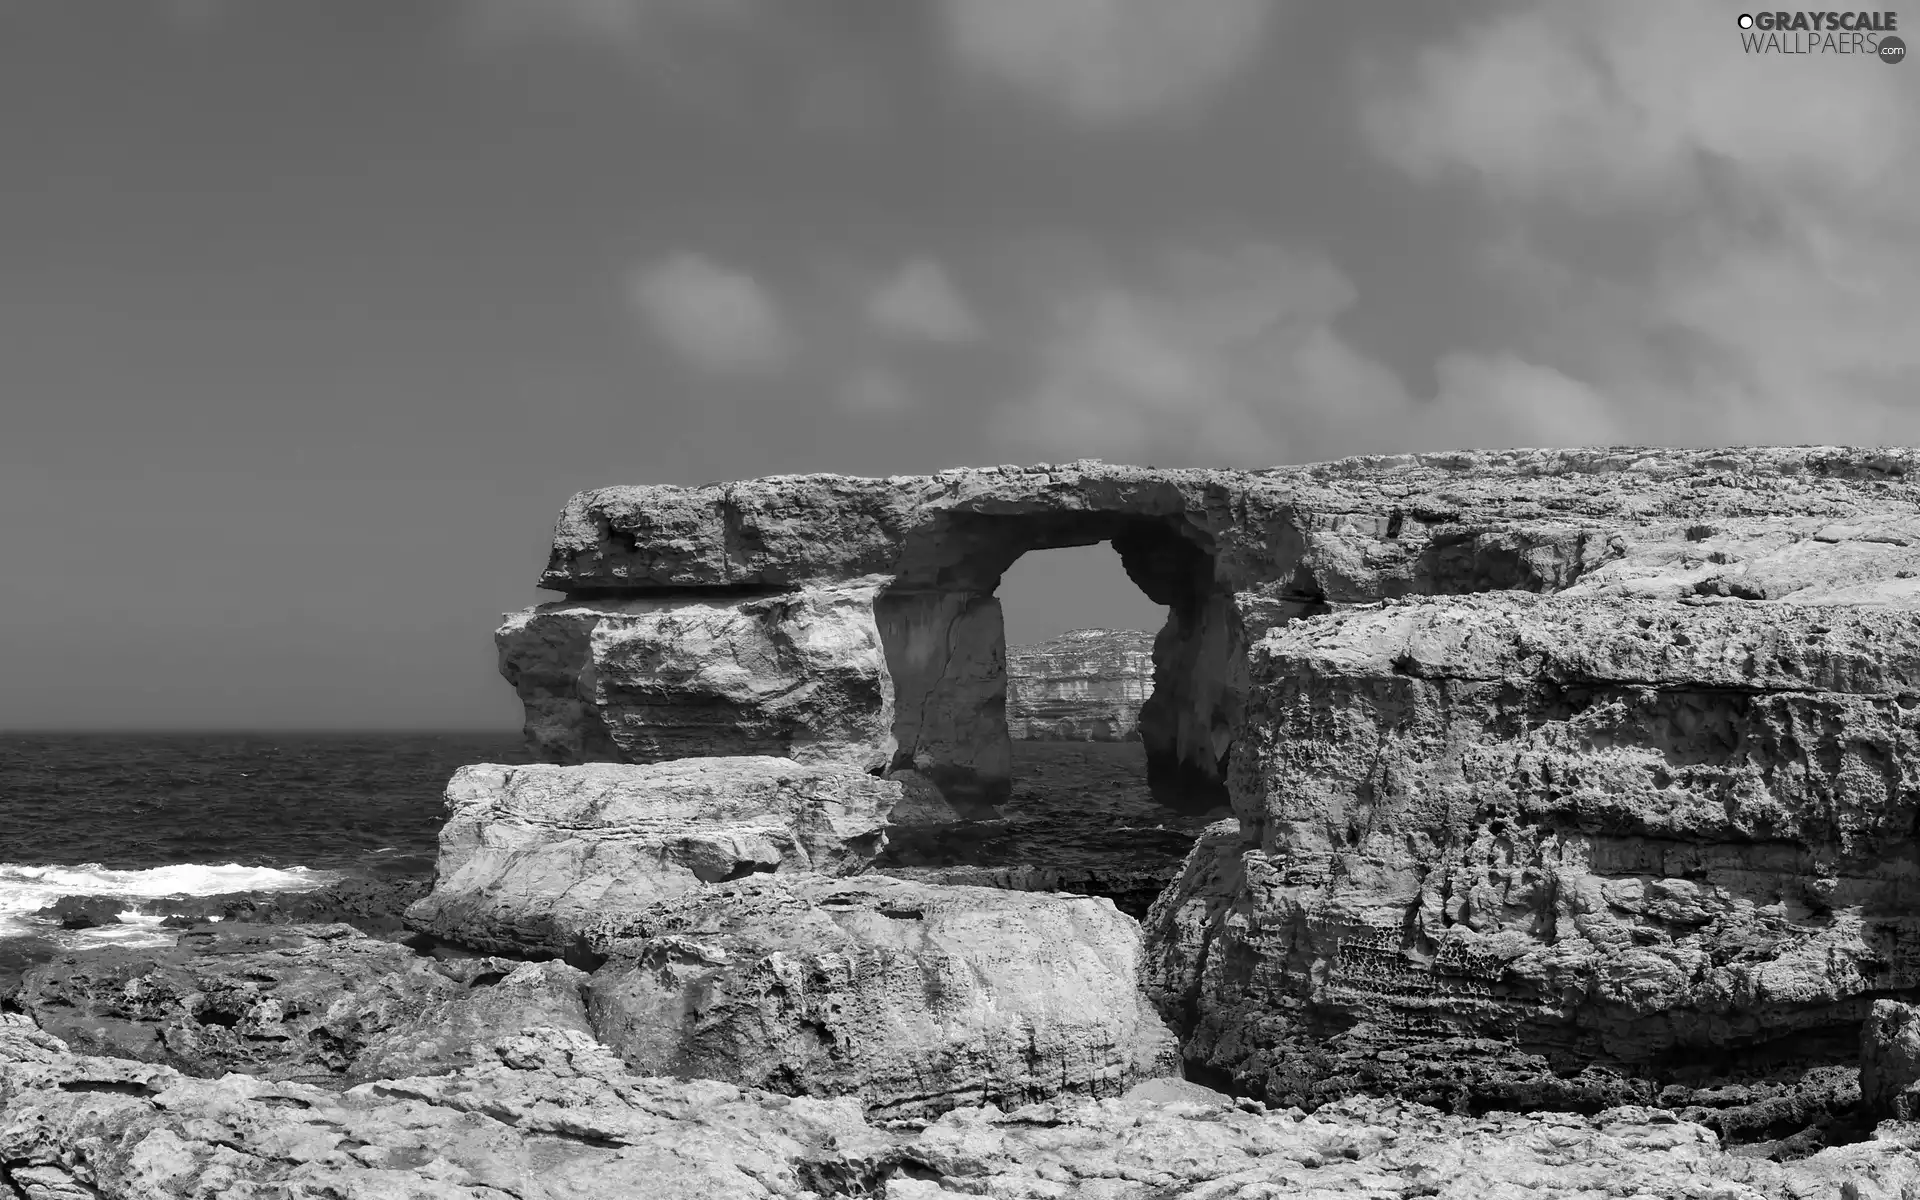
<point>312,315</point>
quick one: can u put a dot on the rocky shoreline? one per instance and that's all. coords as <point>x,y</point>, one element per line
<point>1552,822</point>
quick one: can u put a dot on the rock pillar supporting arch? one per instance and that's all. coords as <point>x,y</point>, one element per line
<point>945,643</point>
<point>947,656</point>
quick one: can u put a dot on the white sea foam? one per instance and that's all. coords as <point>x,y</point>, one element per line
<point>26,889</point>
<point>138,936</point>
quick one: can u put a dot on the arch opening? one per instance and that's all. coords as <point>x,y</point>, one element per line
<point>944,635</point>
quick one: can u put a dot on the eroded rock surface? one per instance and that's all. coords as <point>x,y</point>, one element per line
<point>550,1115</point>
<point>916,998</point>
<point>1890,1061</point>
<point>1082,819</point>
<point>293,1001</point>
<point>1553,850</point>
<point>532,855</point>
<point>642,679</point>
<point>1359,527</point>
<point>1086,685</point>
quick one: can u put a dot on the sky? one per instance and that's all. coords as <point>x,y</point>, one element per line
<point>313,315</point>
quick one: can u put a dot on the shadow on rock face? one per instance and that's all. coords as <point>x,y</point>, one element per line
<point>1081,819</point>
<point>372,906</point>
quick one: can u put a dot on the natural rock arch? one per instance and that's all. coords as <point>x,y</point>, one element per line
<point>1461,826</point>
<point>945,642</point>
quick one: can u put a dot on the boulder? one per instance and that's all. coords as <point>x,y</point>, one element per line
<point>1086,685</point>
<point>532,854</point>
<point>916,998</point>
<point>1539,851</point>
<point>293,1001</point>
<point>640,679</point>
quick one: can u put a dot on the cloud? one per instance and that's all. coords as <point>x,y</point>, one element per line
<point>751,60</point>
<point>715,318</point>
<point>1729,244</point>
<point>629,22</point>
<point>1504,401</point>
<point>1107,62</point>
<point>875,392</point>
<point>1198,363</point>
<point>1231,355</point>
<point>1629,103</point>
<point>920,302</point>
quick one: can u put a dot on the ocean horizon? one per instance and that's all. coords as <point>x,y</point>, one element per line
<point>144,822</point>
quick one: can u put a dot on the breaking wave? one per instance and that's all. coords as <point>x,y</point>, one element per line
<point>25,890</point>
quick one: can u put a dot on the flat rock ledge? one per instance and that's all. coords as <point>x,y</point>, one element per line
<point>548,1114</point>
<point>530,856</point>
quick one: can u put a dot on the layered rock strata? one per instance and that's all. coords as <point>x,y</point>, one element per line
<point>531,856</point>
<point>1086,685</point>
<point>1512,837</point>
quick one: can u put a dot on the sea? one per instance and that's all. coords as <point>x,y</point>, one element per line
<point>149,818</point>
<point>140,826</point>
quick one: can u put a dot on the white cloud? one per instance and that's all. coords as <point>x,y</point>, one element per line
<point>611,21</point>
<point>1629,102</point>
<point>1107,61</point>
<point>875,392</point>
<point>715,318</point>
<point>1231,356</point>
<point>1501,401</point>
<point>1769,206</point>
<point>921,302</point>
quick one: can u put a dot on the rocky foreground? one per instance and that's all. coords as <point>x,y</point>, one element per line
<point>549,1114</point>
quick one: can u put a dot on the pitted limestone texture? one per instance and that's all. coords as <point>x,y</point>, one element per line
<point>1617,832</point>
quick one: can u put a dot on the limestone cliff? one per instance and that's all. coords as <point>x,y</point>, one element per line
<point>1087,685</point>
<point>1619,832</point>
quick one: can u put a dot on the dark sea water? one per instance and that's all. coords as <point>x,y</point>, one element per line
<point>335,802</point>
<point>140,827</point>
<point>143,819</point>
